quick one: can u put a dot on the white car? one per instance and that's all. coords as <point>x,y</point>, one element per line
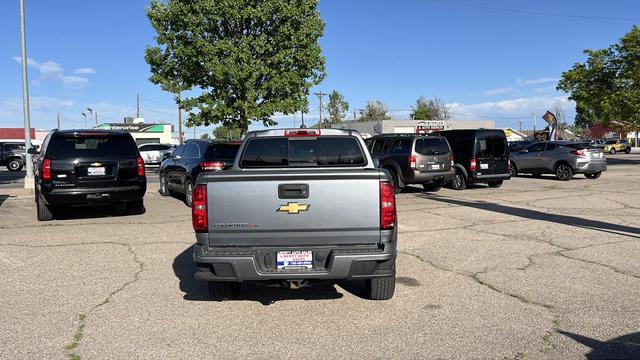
<point>154,153</point>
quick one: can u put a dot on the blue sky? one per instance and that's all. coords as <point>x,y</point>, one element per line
<point>495,59</point>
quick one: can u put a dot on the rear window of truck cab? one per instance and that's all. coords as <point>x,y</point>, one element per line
<point>63,146</point>
<point>302,152</point>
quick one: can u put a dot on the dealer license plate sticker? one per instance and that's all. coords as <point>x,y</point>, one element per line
<point>96,171</point>
<point>294,259</point>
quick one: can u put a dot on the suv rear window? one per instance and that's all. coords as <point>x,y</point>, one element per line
<point>284,152</point>
<point>432,146</point>
<point>221,151</point>
<point>99,145</point>
<point>490,146</point>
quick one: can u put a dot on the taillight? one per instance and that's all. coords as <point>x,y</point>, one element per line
<point>199,209</point>
<point>453,159</point>
<point>302,132</point>
<point>140,163</point>
<point>579,153</point>
<point>412,162</point>
<point>474,165</point>
<point>212,165</point>
<point>387,206</point>
<point>46,170</point>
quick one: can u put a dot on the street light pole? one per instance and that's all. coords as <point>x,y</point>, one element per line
<point>85,119</point>
<point>28,182</point>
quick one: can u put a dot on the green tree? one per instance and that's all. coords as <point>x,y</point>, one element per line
<point>205,136</point>
<point>223,132</point>
<point>337,107</point>
<point>606,86</point>
<point>430,109</point>
<point>243,60</point>
<point>375,110</point>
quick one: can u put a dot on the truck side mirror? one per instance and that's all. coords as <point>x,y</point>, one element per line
<point>166,156</point>
<point>32,151</point>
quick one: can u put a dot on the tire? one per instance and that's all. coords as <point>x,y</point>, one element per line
<point>513,170</point>
<point>44,212</point>
<point>432,187</point>
<point>164,188</point>
<point>612,151</point>
<point>627,150</point>
<point>381,288</point>
<point>135,207</point>
<point>220,291</point>
<point>564,172</point>
<point>188,193</point>
<point>458,182</point>
<point>495,184</point>
<point>593,176</point>
<point>15,165</point>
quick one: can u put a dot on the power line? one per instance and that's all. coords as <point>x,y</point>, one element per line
<point>532,12</point>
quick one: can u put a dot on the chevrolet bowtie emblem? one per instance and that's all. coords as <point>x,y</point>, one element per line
<point>294,208</point>
<point>96,164</point>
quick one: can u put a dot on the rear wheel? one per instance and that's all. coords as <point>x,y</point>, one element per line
<point>495,184</point>
<point>458,182</point>
<point>593,175</point>
<point>15,165</point>
<point>612,151</point>
<point>164,188</point>
<point>564,172</point>
<point>433,187</point>
<point>513,170</point>
<point>135,207</point>
<point>381,288</point>
<point>220,291</point>
<point>43,210</point>
<point>627,150</point>
<point>188,193</point>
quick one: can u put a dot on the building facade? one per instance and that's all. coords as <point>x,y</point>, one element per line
<point>370,128</point>
<point>143,133</point>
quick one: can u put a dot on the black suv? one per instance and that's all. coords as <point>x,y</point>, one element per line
<point>88,167</point>
<point>12,155</point>
<point>414,159</point>
<point>481,156</point>
<point>179,171</point>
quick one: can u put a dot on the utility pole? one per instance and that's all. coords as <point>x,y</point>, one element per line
<point>96,118</point>
<point>320,95</point>
<point>28,181</point>
<point>520,125</point>
<point>354,115</point>
<point>534,125</point>
<point>85,119</point>
<point>179,119</point>
<point>302,114</point>
<point>294,120</point>
<point>194,131</point>
<point>137,106</point>
<point>58,118</point>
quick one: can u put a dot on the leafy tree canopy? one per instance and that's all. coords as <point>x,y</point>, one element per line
<point>223,132</point>
<point>607,86</point>
<point>375,110</point>
<point>430,109</point>
<point>247,60</point>
<point>337,107</point>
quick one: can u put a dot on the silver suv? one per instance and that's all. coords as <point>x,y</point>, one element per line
<point>562,158</point>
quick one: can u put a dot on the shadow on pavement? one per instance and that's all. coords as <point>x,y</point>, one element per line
<point>92,212</point>
<point>184,268</point>
<point>538,215</point>
<point>612,161</point>
<point>4,198</point>
<point>623,347</point>
<point>8,177</point>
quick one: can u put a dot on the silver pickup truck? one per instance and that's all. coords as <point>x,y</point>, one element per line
<point>298,206</point>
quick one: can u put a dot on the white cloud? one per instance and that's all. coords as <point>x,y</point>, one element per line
<point>53,70</point>
<point>537,81</point>
<point>512,109</point>
<point>84,71</point>
<point>498,91</point>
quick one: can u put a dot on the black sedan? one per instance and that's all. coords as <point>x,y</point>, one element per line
<point>179,170</point>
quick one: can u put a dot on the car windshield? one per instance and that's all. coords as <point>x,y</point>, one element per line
<point>301,152</point>
<point>93,145</point>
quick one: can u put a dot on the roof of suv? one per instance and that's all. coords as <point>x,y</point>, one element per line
<point>88,131</point>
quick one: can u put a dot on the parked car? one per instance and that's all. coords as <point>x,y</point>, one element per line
<point>562,158</point>
<point>88,167</point>
<point>12,155</point>
<point>480,157</point>
<point>597,143</point>
<point>179,171</point>
<point>298,205</point>
<point>154,153</point>
<point>413,159</point>
<point>614,146</point>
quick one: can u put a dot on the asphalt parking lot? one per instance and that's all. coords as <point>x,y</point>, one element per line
<point>536,269</point>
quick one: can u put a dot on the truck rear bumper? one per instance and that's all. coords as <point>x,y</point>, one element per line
<point>330,263</point>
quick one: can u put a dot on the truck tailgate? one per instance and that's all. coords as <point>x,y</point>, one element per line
<point>294,207</point>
